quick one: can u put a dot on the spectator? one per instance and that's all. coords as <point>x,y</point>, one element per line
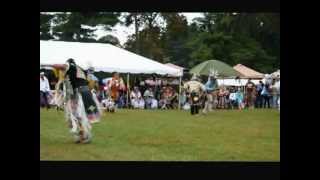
<point>259,99</point>
<point>154,103</point>
<point>239,99</point>
<point>92,79</point>
<point>227,100</point>
<point>233,99</point>
<point>277,85</point>
<point>221,98</point>
<point>44,91</point>
<point>136,99</point>
<point>266,95</point>
<point>122,99</point>
<point>148,96</point>
<point>174,100</point>
<point>162,102</point>
<point>183,98</point>
<point>167,95</point>
<point>274,94</point>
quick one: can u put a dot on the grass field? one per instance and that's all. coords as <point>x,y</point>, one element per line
<point>225,135</point>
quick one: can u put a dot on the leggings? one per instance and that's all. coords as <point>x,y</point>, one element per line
<point>266,99</point>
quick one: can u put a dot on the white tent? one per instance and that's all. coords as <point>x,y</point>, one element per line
<point>276,74</point>
<point>103,57</point>
<point>235,82</point>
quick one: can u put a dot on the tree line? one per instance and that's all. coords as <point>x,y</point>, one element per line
<point>252,39</point>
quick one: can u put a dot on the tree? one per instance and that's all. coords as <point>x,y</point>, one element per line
<point>147,41</point>
<point>109,39</point>
<point>135,18</point>
<point>80,26</point>
<point>45,25</point>
<point>174,37</point>
<point>251,39</point>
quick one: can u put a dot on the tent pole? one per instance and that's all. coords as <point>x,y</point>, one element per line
<point>128,88</point>
<point>180,79</point>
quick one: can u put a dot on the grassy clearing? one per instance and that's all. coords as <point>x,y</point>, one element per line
<point>171,135</point>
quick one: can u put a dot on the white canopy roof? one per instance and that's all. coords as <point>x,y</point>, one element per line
<point>103,57</point>
<point>276,74</point>
<point>235,82</point>
<point>176,67</point>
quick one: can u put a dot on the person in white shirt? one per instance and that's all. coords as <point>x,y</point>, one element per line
<point>44,91</point>
<point>148,96</point>
<point>136,99</point>
<point>154,104</point>
<point>233,99</point>
<point>277,94</point>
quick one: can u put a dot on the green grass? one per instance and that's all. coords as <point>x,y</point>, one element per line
<point>170,135</point>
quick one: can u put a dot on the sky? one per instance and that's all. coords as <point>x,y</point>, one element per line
<point>122,32</point>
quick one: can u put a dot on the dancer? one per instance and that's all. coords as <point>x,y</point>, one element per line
<point>195,89</point>
<point>115,85</point>
<point>250,91</point>
<point>80,107</point>
<point>209,87</point>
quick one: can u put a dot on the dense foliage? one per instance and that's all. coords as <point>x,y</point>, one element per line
<point>252,39</point>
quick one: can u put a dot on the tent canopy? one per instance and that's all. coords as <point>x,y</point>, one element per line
<point>223,69</point>
<point>176,67</point>
<point>235,82</point>
<point>276,74</point>
<point>103,57</point>
<point>247,72</point>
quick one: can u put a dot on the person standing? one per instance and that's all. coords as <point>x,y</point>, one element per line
<point>195,88</point>
<point>221,97</point>
<point>44,91</point>
<point>239,99</point>
<point>277,85</point>
<point>259,99</point>
<point>209,87</point>
<point>92,80</point>
<point>233,99</point>
<point>250,93</point>
<point>167,94</point>
<point>275,93</point>
<point>266,95</point>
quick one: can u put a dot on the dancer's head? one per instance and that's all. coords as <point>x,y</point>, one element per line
<point>194,77</point>
<point>69,62</point>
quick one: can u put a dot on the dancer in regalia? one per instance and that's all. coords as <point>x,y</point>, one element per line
<point>210,86</point>
<point>195,89</point>
<point>250,91</point>
<point>80,107</point>
<point>116,84</point>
